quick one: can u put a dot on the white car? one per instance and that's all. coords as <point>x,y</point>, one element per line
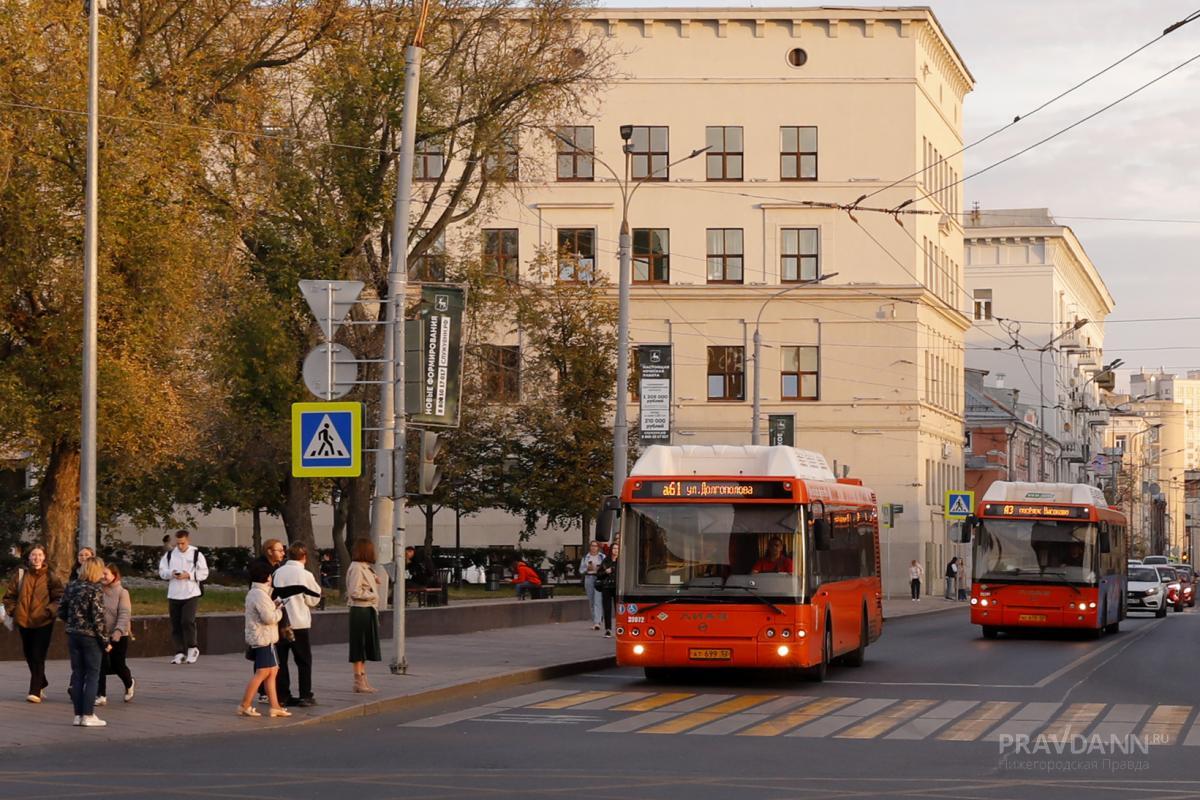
<point>1144,591</point>
<point>1161,560</point>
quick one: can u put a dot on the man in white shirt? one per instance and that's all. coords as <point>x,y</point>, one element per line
<point>300,593</point>
<point>184,568</point>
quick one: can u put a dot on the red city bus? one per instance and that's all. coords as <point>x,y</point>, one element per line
<point>745,556</point>
<point>1047,555</point>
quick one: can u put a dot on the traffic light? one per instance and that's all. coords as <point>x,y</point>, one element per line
<point>430,473</point>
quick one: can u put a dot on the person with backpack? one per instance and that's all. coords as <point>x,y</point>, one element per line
<point>31,601</point>
<point>952,579</point>
<point>185,569</point>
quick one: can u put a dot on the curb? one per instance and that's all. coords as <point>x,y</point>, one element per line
<point>530,675</point>
<point>925,613</point>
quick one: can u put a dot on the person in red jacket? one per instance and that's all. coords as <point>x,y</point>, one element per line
<point>776,560</point>
<point>525,578</point>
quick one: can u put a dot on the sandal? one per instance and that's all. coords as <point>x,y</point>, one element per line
<point>248,711</point>
<point>279,712</point>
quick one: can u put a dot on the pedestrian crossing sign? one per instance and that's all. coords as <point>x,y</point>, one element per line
<point>326,440</point>
<point>959,504</point>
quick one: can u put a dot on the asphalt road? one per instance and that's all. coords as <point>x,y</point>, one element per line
<point>936,711</point>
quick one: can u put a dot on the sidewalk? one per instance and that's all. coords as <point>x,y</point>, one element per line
<point>202,698</point>
<point>897,607</point>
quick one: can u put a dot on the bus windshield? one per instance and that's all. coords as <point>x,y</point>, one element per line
<point>714,548</point>
<point>1052,551</point>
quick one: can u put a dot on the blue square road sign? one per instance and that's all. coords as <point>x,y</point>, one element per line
<point>326,440</point>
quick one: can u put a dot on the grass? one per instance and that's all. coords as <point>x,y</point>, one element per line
<point>152,600</point>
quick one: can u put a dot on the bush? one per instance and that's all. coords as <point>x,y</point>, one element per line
<point>225,564</point>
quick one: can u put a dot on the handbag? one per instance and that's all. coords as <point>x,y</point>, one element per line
<point>249,653</point>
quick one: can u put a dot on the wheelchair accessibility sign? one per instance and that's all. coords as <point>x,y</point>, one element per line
<point>326,440</point>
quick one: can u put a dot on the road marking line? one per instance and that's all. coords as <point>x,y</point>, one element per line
<point>886,720</point>
<point>710,714</point>
<point>843,718</point>
<point>654,701</point>
<point>1193,737</point>
<point>573,700</point>
<point>1025,722</point>
<point>932,721</point>
<point>614,700</point>
<point>442,720</point>
<point>1120,721</point>
<point>971,727</point>
<point>735,722</point>
<point>630,724</point>
<point>1074,720</point>
<point>1088,656</point>
<point>1164,725</point>
<point>533,697</point>
<point>792,719</point>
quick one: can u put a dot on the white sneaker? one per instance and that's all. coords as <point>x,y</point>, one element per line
<point>91,721</point>
<point>129,692</point>
<point>178,659</point>
<point>33,698</point>
<point>78,720</point>
<point>101,701</point>
<point>193,654</point>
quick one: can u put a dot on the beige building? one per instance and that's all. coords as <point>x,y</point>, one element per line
<point>1184,390</point>
<point>1031,283</point>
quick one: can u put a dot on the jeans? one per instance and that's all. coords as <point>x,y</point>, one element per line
<point>594,599</point>
<point>183,623</point>
<point>85,672</point>
<point>301,650</point>
<point>35,642</point>
<point>915,584</point>
<point>607,598</point>
<point>526,588</point>
<point>113,663</point>
<point>949,588</point>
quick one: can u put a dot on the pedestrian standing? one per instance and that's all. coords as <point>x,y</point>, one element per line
<point>118,614</point>
<point>362,595</point>
<point>273,554</point>
<point>82,609</point>
<point>915,573</point>
<point>606,584</point>
<point>587,568</point>
<point>300,593</point>
<point>185,569</point>
<point>262,633</point>
<point>31,600</point>
<point>952,578</point>
<point>82,556</point>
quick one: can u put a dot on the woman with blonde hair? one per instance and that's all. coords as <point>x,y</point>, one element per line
<point>82,609</point>
<point>362,593</point>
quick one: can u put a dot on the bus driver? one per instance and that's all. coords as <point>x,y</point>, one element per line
<point>774,560</point>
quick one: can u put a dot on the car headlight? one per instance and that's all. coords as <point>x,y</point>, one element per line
<point>1152,591</point>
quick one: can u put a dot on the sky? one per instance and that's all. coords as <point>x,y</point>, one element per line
<point>1140,159</point>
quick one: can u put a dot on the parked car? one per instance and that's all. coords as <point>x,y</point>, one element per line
<point>1187,578</point>
<point>1174,589</point>
<point>1144,591</point>
<point>1156,560</point>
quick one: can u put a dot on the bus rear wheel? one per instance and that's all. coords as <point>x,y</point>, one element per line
<point>858,655</point>
<point>990,631</point>
<point>657,674</point>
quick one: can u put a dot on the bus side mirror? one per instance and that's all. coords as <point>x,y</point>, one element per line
<point>608,520</point>
<point>821,535</point>
<point>967,529</point>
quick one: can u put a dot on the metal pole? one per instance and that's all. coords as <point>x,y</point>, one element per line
<point>621,422</point>
<point>397,288</point>
<point>87,430</point>
<point>757,412</point>
<point>1042,415</point>
<point>329,341</point>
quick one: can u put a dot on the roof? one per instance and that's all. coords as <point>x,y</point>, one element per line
<point>1019,491</point>
<point>715,459</point>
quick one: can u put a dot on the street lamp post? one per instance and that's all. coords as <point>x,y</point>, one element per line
<point>624,279</point>
<point>1079,323</point>
<point>754,422</point>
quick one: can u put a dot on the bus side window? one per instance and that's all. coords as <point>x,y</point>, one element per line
<point>1105,540</point>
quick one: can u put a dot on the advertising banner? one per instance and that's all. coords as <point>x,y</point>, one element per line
<point>440,388</point>
<point>654,362</point>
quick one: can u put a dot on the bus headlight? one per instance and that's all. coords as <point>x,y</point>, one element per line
<point>785,633</point>
<point>983,602</point>
<point>1091,605</point>
<point>650,631</point>
<point>783,650</point>
<point>801,634</point>
<point>638,649</point>
<point>974,601</point>
<point>770,633</point>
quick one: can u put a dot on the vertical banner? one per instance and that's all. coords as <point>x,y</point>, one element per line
<point>781,430</point>
<point>654,391</point>
<point>440,387</point>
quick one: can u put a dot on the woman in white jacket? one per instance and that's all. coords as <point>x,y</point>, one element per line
<point>262,632</point>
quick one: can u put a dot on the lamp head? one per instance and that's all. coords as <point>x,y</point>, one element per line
<point>626,132</point>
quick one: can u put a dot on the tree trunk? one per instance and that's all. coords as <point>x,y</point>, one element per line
<point>585,525</point>
<point>358,521</point>
<point>297,512</point>
<point>58,498</point>
<point>430,513</point>
<point>256,532</point>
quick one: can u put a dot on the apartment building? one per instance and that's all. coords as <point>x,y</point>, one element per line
<point>1185,390</point>
<point>1038,306</point>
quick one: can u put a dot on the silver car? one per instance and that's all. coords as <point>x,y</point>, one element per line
<point>1145,591</point>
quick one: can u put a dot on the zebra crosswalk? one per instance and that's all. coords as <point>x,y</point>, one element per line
<point>837,717</point>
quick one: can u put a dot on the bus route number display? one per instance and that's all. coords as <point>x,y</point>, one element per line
<point>713,490</point>
<point>1035,510</point>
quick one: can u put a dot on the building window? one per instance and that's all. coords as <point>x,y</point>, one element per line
<point>724,157</point>
<point>983,304</point>
<point>724,255</point>
<point>651,255</point>
<point>799,374</point>
<point>501,373</point>
<point>798,153</point>
<point>504,165</point>
<point>576,148</point>
<point>501,253</point>
<point>726,373</point>
<point>650,151</point>
<point>799,260</point>
<point>429,160</point>
<point>576,254</point>
<point>430,266</point>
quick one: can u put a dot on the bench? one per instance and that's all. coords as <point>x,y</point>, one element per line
<point>426,595</point>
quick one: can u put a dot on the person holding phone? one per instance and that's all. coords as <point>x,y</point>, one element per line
<point>184,567</point>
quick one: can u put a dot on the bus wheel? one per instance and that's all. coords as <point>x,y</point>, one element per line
<point>856,656</point>
<point>657,674</point>
<point>821,671</point>
<point>990,631</point>
<point>1113,627</point>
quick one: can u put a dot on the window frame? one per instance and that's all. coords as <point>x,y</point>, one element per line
<point>575,152</point>
<point>799,154</point>
<point>725,257</point>
<point>508,159</point>
<point>649,154</point>
<point>434,256</point>
<point>736,379</point>
<point>800,374</point>
<point>495,261</point>
<point>724,155</point>
<point>652,260</point>
<point>983,307</point>
<point>501,379</point>
<point>799,258</point>
<point>576,254</point>
<point>425,153</point>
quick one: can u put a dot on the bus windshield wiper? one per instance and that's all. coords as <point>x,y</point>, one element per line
<point>752,590</point>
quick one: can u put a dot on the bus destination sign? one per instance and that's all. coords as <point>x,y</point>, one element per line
<point>712,490</point>
<point>1035,510</point>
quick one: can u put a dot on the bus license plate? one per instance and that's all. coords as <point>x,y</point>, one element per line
<point>709,654</point>
<point>1032,618</point>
